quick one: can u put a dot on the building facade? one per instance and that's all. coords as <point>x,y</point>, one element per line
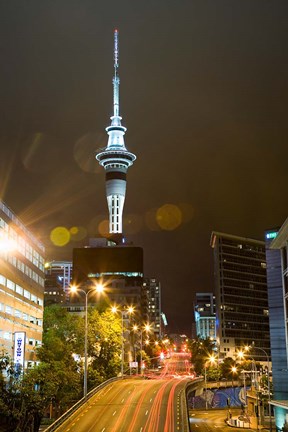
<point>277,274</point>
<point>21,289</point>
<point>242,316</point>
<point>205,316</point>
<point>119,269</point>
<point>153,289</point>
<point>58,278</point>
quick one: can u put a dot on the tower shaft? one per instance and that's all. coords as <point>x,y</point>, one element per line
<point>115,158</point>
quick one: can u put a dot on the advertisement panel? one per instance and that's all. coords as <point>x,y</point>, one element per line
<point>19,349</point>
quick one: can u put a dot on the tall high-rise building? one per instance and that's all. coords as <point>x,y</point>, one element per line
<point>242,316</point>
<point>277,281</point>
<point>205,316</point>
<point>21,289</point>
<point>153,289</point>
<point>115,158</point>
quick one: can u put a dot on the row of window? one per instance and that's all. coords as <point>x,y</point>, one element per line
<point>20,290</point>
<point>23,268</point>
<point>8,336</point>
<point>8,233</point>
<point>19,314</point>
<point>18,222</point>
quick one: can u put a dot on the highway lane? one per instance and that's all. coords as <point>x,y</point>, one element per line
<point>132,405</point>
<point>212,420</point>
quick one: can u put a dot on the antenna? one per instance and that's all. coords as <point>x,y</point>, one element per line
<point>116,80</point>
<point>116,51</point>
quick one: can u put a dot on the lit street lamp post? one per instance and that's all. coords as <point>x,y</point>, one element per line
<point>74,289</point>
<point>147,328</point>
<point>268,384</point>
<point>129,311</point>
<point>211,360</point>
<point>205,377</point>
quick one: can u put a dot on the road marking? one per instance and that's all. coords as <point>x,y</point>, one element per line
<point>146,412</point>
<point>151,400</point>
<point>141,429</point>
<point>114,413</point>
<point>122,400</point>
<point>103,429</point>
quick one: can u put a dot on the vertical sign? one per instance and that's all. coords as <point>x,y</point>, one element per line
<point>19,349</point>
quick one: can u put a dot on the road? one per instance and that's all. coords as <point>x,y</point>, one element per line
<point>212,420</point>
<point>137,404</point>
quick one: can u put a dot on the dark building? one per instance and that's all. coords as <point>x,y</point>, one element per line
<point>205,316</point>
<point>58,277</point>
<point>153,290</point>
<point>242,316</point>
<point>277,271</point>
<point>119,268</point>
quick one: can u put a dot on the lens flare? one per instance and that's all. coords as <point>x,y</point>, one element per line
<point>84,151</point>
<point>150,220</point>
<point>60,236</point>
<point>103,228</point>
<point>78,233</point>
<point>169,217</point>
<point>132,224</point>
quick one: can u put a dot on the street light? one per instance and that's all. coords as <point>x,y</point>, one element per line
<point>233,370</point>
<point>268,371</point>
<point>128,311</point>
<point>96,289</point>
<point>147,329</point>
<point>212,360</point>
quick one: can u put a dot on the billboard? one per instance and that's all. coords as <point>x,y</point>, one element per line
<point>19,349</point>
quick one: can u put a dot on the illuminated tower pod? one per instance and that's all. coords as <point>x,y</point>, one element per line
<point>115,158</point>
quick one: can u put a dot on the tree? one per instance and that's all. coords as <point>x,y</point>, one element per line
<point>62,338</point>
<point>200,350</point>
<point>104,345</point>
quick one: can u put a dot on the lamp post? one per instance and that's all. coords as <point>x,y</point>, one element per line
<point>124,312</point>
<point>146,328</point>
<point>233,370</point>
<point>211,360</point>
<point>205,377</point>
<point>268,384</point>
<point>74,289</point>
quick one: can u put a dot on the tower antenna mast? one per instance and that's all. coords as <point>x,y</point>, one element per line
<point>116,79</point>
<point>115,158</point>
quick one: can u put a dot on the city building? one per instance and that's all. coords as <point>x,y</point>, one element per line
<point>277,274</point>
<point>58,277</point>
<point>205,316</point>
<point>119,269</point>
<point>153,289</point>
<point>21,289</point>
<point>242,316</point>
<point>115,158</point>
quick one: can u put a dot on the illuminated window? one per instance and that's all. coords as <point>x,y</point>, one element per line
<point>10,284</point>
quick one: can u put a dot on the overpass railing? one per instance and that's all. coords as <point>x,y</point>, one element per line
<point>78,404</point>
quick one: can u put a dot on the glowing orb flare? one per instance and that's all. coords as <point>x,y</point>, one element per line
<point>60,236</point>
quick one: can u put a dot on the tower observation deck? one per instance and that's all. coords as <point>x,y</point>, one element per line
<point>115,158</point>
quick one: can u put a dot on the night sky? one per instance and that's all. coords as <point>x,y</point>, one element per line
<point>204,93</point>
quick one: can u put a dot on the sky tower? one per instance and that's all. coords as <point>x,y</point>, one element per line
<point>115,158</point>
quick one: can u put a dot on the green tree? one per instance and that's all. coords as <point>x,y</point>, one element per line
<point>62,338</point>
<point>200,350</point>
<point>104,345</point>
